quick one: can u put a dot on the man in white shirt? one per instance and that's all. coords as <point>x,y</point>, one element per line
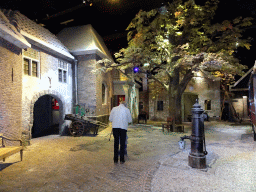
<point>120,116</point>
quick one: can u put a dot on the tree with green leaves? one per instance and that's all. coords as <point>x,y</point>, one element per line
<point>172,43</point>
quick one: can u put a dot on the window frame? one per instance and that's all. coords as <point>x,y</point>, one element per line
<point>30,66</point>
<point>160,107</point>
<point>31,60</point>
<point>63,70</point>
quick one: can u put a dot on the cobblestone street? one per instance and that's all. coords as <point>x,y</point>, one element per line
<point>55,163</point>
<point>154,161</point>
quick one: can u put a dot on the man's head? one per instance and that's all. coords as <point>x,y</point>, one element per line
<point>123,102</point>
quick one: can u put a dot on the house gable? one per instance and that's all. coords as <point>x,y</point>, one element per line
<point>37,35</point>
<point>11,34</point>
<point>84,40</point>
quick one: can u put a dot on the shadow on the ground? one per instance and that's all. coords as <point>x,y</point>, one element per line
<point>5,165</point>
<point>90,146</point>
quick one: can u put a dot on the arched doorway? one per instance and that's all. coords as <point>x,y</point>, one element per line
<point>47,116</point>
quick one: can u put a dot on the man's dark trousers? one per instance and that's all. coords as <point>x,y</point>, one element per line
<point>119,134</point>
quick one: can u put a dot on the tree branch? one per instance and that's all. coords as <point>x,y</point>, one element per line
<point>187,77</point>
<point>157,80</point>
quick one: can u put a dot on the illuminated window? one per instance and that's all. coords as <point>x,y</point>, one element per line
<point>207,105</point>
<point>62,71</point>
<point>31,62</point>
<point>160,105</point>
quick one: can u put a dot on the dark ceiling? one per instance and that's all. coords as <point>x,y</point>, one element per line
<point>106,16</point>
<point>113,16</point>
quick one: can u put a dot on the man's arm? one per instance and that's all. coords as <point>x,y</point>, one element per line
<point>111,115</point>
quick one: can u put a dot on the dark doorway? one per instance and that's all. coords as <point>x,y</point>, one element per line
<point>189,100</point>
<point>46,117</point>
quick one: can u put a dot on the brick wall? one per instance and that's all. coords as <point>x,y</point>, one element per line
<point>90,87</point>
<point>10,90</point>
<point>103,109</point>
<point>86,81</point>
<point>157,114</point>
<point>206,89</point>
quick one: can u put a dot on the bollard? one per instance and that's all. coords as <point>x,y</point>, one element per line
<point>197,156</point>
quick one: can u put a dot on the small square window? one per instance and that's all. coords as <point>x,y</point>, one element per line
<point>160,105</point>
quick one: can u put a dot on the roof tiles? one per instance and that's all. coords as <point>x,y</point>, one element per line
<point>24,24</point>
<point>10,33</point>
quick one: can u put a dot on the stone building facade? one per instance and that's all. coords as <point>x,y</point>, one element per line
<point>43,76</point>
<point>11,45</point>
<point>34,68</point>
<point>10,89</point>
<point>94,90</point>
<point>206,90</point>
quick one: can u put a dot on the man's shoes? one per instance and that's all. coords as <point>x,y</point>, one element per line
<point>115,162</point>
<point>122,162</point>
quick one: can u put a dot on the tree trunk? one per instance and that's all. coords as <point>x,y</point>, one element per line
<point>175,92</point>
<point>175,105</point>
<point>178,116</point>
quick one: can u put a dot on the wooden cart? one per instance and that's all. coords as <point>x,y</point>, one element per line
<point>81,124</point>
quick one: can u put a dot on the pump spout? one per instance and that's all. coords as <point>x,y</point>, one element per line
<point>184,137</point>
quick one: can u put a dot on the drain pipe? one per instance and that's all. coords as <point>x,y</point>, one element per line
<point>76,81</point>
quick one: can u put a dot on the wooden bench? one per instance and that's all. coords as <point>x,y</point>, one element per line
<point>6,151</point>
<point>170,125</point>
